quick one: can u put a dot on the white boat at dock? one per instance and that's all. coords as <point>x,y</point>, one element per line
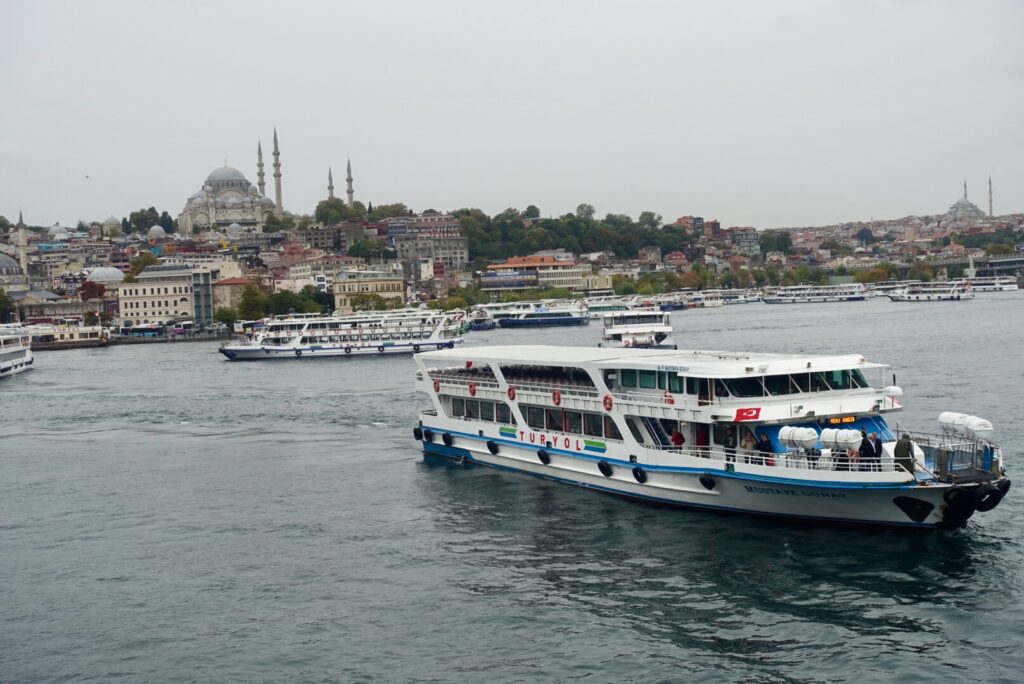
<point>768,434</point>
<point>936,291</point>
<point>994,284</point>
<point>370,333</point>
<point>815,294</point>
<point>15,350</point>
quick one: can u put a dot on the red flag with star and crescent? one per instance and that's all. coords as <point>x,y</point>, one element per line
<point>747,414</point>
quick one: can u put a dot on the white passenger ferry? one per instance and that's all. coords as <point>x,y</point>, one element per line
<point>15,351</point>
<point>814,294</point>
<point>544,315</point>
<point>369,333</point>
<point>759,433</point>
<point>638,328</point>
<point>936,291</point>
<point>994,284</point>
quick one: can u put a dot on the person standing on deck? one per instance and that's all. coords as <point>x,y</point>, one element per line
<point>904,453</point>
<point>730,445</point>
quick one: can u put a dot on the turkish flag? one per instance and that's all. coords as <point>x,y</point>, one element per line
<point>747,414</point>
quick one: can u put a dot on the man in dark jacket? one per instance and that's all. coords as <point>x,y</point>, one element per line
<point>866,454</point>
<point>904,453</point>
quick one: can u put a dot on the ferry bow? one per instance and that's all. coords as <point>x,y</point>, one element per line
<point>771,434</point>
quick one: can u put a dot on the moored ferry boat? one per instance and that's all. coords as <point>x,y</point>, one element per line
<point>370,333</point>
<point>15,351</point>
<point>480,320</point>
<point>936,291</point>
<point>994,284</point>
<point>544,316</point>
<point>814,294</point>
<point>638,328</point>
<point>769,434</point>
<point>50,336</point>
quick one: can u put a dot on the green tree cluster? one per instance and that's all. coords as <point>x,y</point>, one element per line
<point>256,304</point>
<point>138,265</point>
<point>6,307</point>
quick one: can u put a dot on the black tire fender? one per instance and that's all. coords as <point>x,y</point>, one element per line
<point>417,433</point>
<point>544,456</point>
<point>707,482</point>
<point>606,468</point>
<point>428,435</point>
<point>639,475</point>
<point>447,439</point>
<point>492,446</point>
<point>987,497</point>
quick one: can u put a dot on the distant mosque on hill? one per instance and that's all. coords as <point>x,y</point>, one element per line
<point>966,212</point>
<point>228,201</point>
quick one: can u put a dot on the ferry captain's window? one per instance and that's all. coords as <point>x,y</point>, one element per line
<point>553,418</point>
<point>745,387</point>
<point>574,422</point>
<point>592,424</point>
<point>628,377</point>
<point>535,417</point>
<point>648,379</point>
<point>611,430</point>
<point>472,409</point>
<point>778,384</point>
<point>487,410</point>
<point>503,413</point>
<point>720,390</point>
<point>458,406</point>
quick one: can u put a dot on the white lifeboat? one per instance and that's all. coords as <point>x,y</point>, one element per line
<point>967,425</point>
<point>839,438</point>
<point>800,437</point>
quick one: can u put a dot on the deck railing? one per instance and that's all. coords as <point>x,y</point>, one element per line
<point>797,460</point>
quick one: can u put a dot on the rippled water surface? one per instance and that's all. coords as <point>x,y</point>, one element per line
<point>166,515</point>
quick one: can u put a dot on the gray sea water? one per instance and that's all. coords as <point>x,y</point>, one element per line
<point>168,516</point>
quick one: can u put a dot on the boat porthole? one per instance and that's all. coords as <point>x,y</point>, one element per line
<point>447,439</point>
<point>639,475</point>
<point>605,468</point>
<point>707,482</point>
<point>492,446</point>
<point>417,433</point>
<point>415,347</point>
<point>428,435</point>
<point>544,456</point>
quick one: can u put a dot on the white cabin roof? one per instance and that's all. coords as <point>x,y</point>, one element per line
<point>693,363</point>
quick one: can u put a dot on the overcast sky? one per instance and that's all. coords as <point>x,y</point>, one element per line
<point>756,113</point>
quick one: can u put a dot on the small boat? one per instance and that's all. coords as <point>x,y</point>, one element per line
<point>638,328</point>
<point>768,434</point>
<point>480,320</point>
<point>545,316</point>
<point>937,291</point>
<point>370,333</point>
<point>15,350</point>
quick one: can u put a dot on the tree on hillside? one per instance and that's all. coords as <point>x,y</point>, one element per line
<point>226,315</point>
<point>138,265</point>
<point>865,236</point>
<point>6,307</point>
<point>90,290</point>
<point>585,211</point>
<point>253,304</point>
<point>532,212</point>
<point>371,249</point>
<point>166,222</point>
<point>334,210</point>
<point>384,211</point>
<point>143,219</point>
<point>648,219</point>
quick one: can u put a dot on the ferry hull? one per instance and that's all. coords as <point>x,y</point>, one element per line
<point>15,366</point>
<point>890,505</point>
<point>542,322</point>
<point>269,353</point>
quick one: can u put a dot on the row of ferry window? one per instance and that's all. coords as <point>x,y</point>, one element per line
<point>357,338</point>
<point>331,325</point>
<point>754,386</point>
<point>538,417</point>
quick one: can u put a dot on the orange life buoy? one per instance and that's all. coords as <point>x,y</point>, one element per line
<point>512,393</point>
<point>472,389</point>
<point>437,385</point>
<point>669,399</point>
<point>556,398</point>
<point>608,402</point>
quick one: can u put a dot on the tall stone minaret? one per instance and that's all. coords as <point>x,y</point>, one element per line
<point>330,183</point>
<point>965,190</point>
<point>348,180</point>
<point>260,182</point>
<point>277,175</point>
<point>990,214</point>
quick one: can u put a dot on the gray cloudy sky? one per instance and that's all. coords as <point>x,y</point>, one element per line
<point>755,113</point>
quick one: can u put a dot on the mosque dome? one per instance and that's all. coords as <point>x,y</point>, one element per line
<point>156,232</point>
<point>106,274</point>
<point>234,229</point>
<point>226,173</point>
<point>112,220</point>
<point>8,266</point>
<point>57,230</point>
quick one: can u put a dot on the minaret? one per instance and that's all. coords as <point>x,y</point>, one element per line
<point>330,184</point>
<point>350,192</point>
<point>261,184</point>
<point>965,190</point>
<point>990,214</point>
<point>277,175</point>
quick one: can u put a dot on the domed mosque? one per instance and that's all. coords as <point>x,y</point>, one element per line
<point>227,197</point>
<point>965,212</point>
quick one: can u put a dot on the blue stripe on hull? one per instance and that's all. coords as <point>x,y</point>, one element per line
<point>455,453</point>
<point>541,322</point>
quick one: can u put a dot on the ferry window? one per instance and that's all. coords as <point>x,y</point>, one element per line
<point>858,378</point>
<point>662,381</point>
<point>574,422</point>
<point>648,379</point>
<point>611,430</point>
<point>802,381</point>
<point>720,389</point>
<point>691,385</point>
<point>458,406</point>
<point>553,418</point>
<point>592,424</point>
<point>628,377</point>
<point>777,384</point>
<point>637,435</point>
<point>535,417</point>
<point>472,408</point>
<point>837,380</point>
<point>675,384</point>
<point>818,383</point>
<point>503,413</point>
<point>487,410</point>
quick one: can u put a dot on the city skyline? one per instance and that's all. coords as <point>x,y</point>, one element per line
<point>880,112</point>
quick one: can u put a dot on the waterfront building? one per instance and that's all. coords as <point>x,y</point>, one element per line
<point>227,292</point>
<point>349,284</point>
<point>516,274</point>
<point>161,293</point>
